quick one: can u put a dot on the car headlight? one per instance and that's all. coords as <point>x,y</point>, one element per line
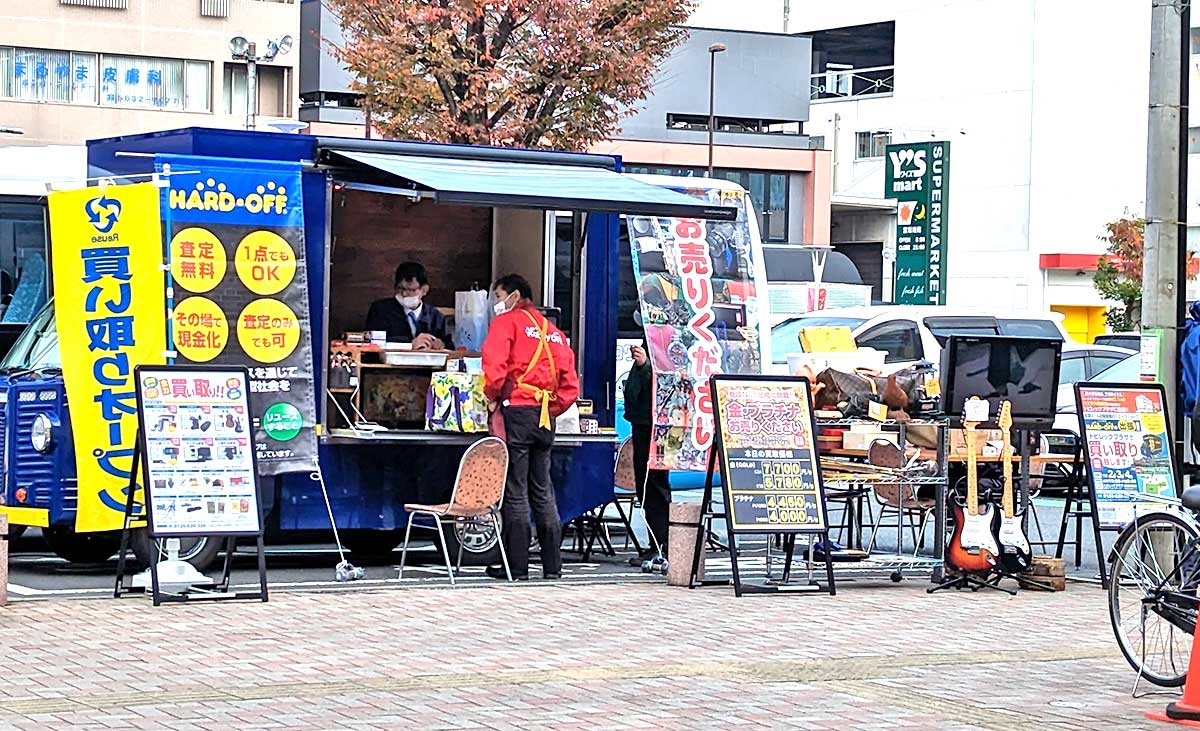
<point>39,435</point>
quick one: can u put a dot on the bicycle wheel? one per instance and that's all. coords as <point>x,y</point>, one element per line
<point>1149,617</point>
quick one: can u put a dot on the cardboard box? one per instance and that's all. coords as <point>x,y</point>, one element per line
<point>958,440</point>
<point>861,440</point>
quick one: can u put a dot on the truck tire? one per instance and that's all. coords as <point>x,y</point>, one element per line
<point>200,552</point>
<point>81,547</point>
<point>482,547</point>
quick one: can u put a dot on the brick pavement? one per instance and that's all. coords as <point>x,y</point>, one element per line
<point>540,656</point>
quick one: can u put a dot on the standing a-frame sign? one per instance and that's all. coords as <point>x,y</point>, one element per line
<point>197,453</point>
<point>770,472</point>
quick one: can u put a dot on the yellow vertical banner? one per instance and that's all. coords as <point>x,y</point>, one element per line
<point>110,310</point>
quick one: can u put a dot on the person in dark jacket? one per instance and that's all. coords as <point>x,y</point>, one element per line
<point>405,317</point>
<point>654,486</point>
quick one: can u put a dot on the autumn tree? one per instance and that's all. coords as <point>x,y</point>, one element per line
<point>1118,276</point>
<point>529,73</point>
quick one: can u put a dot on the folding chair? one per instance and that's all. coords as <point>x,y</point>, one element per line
<point>624,494</point>
<point>478,493</point>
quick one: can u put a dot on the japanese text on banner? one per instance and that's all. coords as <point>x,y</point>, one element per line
<point>110,315</point>
<point>236,252</point>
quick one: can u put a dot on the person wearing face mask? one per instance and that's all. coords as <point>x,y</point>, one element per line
<point>529,375</point>
<point>405,317</point>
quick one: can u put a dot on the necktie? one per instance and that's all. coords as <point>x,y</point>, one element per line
<point>412,323</point>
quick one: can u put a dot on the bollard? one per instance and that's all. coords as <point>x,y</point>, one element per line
<point>684,521</point>
<point>3,559</point>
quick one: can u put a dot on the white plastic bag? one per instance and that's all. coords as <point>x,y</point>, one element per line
<point>471,311</point>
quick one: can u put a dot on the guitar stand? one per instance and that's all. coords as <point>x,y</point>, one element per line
<point>974,582</point>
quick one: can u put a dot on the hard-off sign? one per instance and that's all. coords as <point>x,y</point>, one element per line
<point>917,176</point>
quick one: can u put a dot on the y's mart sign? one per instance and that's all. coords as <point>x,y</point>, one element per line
<point>917,176</point>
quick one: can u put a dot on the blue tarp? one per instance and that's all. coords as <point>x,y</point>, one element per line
<point>534,185</point>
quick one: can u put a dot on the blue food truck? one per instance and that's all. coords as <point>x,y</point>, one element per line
<point>468,214</point>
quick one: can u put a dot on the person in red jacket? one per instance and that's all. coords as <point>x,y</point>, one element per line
<point>529,372</point>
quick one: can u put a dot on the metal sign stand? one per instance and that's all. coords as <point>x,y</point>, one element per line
<point>161,527</point>
<point>717,453</point>
<point>217,591</point>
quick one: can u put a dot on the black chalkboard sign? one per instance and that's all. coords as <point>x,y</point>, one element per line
<point>769,468</point>
<point>765,447</point>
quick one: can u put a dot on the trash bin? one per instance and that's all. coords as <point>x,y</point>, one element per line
<point>684,522</point>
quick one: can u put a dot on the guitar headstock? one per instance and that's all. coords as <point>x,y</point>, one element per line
<point>1005,419</point>
<point>975,412</point>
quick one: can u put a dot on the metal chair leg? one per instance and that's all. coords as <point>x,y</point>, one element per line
<point>875,529</point>
<point>458,561</point>
<point>445,550</point>
<point>503,555</point>
<point>404,552</point>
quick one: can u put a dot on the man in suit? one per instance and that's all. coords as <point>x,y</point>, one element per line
<point>406,317</point>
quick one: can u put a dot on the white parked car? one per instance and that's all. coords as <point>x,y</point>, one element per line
<point>909,334</point>
<point>1126,370</point>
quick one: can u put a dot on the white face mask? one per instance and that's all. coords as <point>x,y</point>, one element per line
<point>501,307</point>
<point>409,303</point>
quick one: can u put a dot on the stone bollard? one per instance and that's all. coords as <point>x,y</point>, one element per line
<point>3,559</point>
<point>684,521</point>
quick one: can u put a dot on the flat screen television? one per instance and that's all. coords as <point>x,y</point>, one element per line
<point>1023,371</point>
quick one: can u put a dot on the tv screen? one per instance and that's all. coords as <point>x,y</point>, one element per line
<point>1023,371</point>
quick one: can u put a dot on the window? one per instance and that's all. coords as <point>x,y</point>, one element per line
<point>156,83</point>
<point>1073,369</point>
<point>872,144</point>
<point>749,125</point>
<point>1104,361</point>
<point>1195,41</point>
<point>50,76</point>
<point>273,92</point>
<point>1030,329</point>
<point>1193,140</point>
<point>22,247</point>
<point>816,142</point>
<point>899,340</point>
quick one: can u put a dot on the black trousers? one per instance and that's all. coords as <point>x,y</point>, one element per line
<point>654,489</point>
<point>529,485</point>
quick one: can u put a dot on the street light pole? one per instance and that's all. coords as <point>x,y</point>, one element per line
<point>713,50</point>
<point>251,85</point>
<point>1165,240</point>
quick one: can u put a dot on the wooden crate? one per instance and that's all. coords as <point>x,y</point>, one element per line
<point>1045,583</point>
<point>1048,566</point>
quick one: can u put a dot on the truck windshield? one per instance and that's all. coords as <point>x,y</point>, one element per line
<point>37,348</point>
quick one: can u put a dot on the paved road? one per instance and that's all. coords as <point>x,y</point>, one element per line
<point>37,574</point>
<point>561,656</point>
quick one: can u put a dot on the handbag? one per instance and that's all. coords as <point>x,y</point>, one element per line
<point>455,403</point>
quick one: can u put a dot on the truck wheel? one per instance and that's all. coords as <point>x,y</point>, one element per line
<point>200,551</point>
<point>371,543</point>
<point>81,547</point>
<point>480,541</point>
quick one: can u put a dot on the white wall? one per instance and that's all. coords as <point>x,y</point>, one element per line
<point>765,16</point>
<point>1044,103</point>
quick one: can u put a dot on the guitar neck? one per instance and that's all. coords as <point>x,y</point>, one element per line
<point>1006,456</point>
<point>972,472</point>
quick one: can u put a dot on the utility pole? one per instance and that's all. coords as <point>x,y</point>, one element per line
<point>1164,276</point>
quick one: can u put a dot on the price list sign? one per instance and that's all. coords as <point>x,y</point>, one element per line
<point>768,455</point>
<point>1127,444</point>
<point>198,451</point>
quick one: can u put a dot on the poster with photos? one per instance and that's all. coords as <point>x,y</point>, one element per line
<point>198,451</point>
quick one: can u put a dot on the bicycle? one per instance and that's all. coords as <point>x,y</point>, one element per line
<point>1152,598</point>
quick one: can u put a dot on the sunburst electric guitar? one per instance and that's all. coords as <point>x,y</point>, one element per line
<point>1015,555</point>
<point>973,546</point>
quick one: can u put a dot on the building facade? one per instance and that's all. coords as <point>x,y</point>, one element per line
<point>71,70</point>
<point>1044,103</point>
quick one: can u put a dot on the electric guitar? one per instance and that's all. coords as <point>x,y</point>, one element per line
<point>1015,555</point>
<point>973,547</point>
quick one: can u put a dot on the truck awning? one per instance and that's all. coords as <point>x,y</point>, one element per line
<point>517,184</point>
